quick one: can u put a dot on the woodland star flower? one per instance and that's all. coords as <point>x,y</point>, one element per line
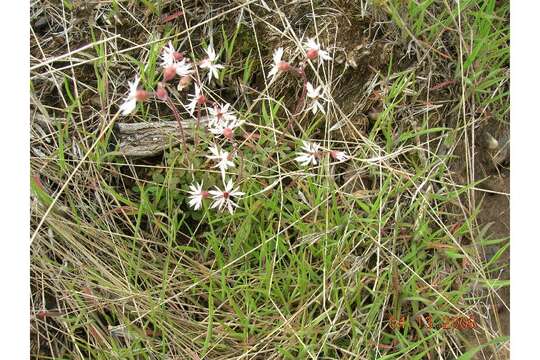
<point>313,50</point>
<point>309,155</point>
<point>220,114</point>
<point>315,94</point>
<point>195,99</point>
<point>209,63</point>
<point>339,155</point>
<point>169,56</point>
<point>223,159</point>
<point>226,127</point>
<point>279,65</point>
<point>222,198</point>
<point>196,196</point>
<point>183,68</point>
<point>134,95</point>
<point>173,63</point>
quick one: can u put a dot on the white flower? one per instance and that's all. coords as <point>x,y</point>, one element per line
<point>339,155</point>
<point>197,98</point>
<point>196,196</point>
<point>220,114</point>
<point>225,127</point>
<point>222,198</point>
<point>172,65</point>
<point>183,68</point>
<point>131,101</point>
<point>315,94</point>
<point>223,121</point>
<point>279,65</point>
<point>309,155</point>
<point>313,50</point>
<point>168,56</point>
<point>209,64</point>
<point>223,159</point>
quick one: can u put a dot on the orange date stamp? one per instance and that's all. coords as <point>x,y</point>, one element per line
<point>458,322</point>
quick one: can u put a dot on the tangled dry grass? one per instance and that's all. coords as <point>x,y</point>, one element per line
<point>315,264</point>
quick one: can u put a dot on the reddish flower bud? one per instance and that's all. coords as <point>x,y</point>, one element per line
<point>41,314</point>
<point>169,73</point>
<point>228,133</point>
<point>161,92</point>
<point>141,95</point>
<point>201,100</point>
<point>178,56</point>
<point>312,54</point>
<point>284,66</point>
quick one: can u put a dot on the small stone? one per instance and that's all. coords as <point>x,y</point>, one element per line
<point>491,142</point>
<point>41,24</point>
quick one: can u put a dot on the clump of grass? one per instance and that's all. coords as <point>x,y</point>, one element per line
<point>317,262</point>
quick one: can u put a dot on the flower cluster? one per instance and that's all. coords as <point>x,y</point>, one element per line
<point>222,199</point>
<point>222,120</point>
<point>173,64</point>
<point>313,51</point>
<point>311,153</point>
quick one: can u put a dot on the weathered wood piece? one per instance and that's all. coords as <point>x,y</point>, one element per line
<point>151,138</point>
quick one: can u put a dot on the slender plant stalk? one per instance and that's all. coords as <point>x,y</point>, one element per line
<point>196,136</point>
<point>178,118</point>
<point>300,103</point>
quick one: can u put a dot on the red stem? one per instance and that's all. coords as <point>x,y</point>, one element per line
<point>198,124</point>
<point>302,97</point>
<point>178,119</point>
<point>300,103</point>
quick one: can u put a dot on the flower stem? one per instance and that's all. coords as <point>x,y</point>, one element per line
<point>197,125</point>
<point>300,102</point>
<point>302,97</point>
<point>176,114</point>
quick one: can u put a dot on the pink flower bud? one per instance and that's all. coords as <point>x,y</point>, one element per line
<point>178,56</point>
<point>41,314</point>
<point>312,54</point>
<point>161,92</point>
<point>228,133</point>
<point>201,100</point>
<point>169,73</point>
<point>283,66</point>
<point>141,95</point>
